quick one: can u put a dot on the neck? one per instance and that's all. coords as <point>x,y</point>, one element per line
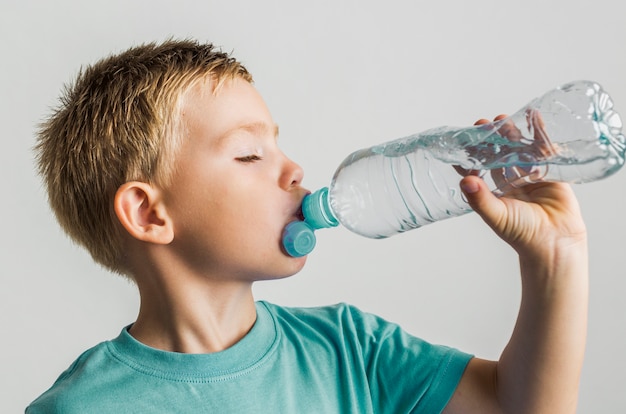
<point>193,314</point>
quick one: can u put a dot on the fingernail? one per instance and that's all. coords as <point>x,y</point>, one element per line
<point>470,187</point>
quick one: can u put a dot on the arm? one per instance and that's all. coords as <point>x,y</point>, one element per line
<point>539,369</point>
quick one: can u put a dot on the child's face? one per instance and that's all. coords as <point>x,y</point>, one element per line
<point>234,190</point>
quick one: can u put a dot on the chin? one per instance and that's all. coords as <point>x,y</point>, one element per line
<point>287,268</point>
<point>296,264</point>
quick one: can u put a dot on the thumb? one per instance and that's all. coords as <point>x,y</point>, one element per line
<point>482,201</point>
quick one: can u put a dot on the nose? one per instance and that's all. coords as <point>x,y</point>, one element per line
<point>292,174</point>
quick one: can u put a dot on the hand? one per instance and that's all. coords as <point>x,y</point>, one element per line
<point>534,218</point>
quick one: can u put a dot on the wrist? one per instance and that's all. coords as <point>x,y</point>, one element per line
<point>565,263</point>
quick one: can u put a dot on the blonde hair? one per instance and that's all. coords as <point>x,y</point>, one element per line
<point>119,122</point>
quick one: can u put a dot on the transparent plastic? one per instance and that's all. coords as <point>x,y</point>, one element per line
<point>570,134</point>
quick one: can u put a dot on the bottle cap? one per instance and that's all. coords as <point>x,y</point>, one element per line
<point>316,210</point>
<point>298,239</point>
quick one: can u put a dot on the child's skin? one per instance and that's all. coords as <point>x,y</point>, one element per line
<point>216,229</point>
<point>197,245</point>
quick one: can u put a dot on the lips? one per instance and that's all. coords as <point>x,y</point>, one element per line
<point>299,213</point>
<point>296,213</point>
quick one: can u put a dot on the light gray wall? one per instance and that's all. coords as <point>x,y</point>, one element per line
<point>337,75</point>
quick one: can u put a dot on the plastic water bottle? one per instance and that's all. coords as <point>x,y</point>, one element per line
<point>570,134</point>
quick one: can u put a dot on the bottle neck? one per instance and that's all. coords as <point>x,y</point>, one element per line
<point>317,210</point>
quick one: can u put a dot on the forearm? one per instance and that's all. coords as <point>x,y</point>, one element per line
<point>539,370</point>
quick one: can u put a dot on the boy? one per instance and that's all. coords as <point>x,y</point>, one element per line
<point>162,161</point>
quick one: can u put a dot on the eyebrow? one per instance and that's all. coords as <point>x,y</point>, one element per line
<point>253,127</point>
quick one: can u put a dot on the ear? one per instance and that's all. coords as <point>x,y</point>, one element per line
<point>141,212</point>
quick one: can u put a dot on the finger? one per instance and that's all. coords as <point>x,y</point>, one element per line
<point>541,139</point>
<point>509,180</point>
<point>508,129</point>
<point>500,117</point>
<point>535,123</point>
<point>482,201</point>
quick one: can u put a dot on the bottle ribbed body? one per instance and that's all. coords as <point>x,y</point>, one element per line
<point>571,134</point>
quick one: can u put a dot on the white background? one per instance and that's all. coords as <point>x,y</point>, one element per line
<point>338,76</point>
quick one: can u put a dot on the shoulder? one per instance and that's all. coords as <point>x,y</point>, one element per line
<point>74,385</point>
<point>338,320</point>
<point>349,324</point>
<point>334,314</point>
<point>422,373</point>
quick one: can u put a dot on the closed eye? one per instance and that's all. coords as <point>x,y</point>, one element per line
<point>249,158</point>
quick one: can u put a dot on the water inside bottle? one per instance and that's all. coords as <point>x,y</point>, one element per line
<point>571,134</point>
<point>410,182</point>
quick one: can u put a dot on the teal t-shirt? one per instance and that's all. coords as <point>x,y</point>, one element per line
<point>333,359</point>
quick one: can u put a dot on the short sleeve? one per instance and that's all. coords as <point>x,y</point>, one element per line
<point>406,374</point>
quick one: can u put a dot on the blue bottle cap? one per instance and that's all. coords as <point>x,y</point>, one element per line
<point>298,239</point>
<point>316,210</point>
